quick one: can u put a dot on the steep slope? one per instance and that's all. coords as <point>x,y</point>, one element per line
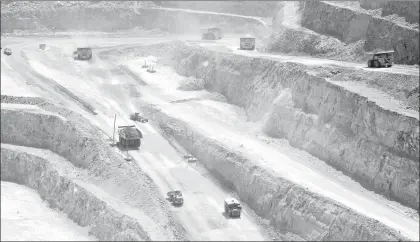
<point>407,9</point>
<point>96,17</point>
<point>351,30</point>
<point>376,146</point>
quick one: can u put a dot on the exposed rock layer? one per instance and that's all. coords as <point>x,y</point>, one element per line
<point>294,211</point>
<point>377,147</point>
<point>350,25</point>
<point>112,19</point>
<point>63,193</point>
<point>407,9</point>
<point>73,138</point>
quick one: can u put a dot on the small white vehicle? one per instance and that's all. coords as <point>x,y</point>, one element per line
<point>190,158</point>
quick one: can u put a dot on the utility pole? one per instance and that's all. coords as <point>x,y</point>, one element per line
<point>113,134</point>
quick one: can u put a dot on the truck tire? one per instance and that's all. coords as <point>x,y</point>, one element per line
<point>376,64</point>
<point>369,63</point>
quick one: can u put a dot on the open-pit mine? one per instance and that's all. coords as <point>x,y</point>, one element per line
<point>209,121</point>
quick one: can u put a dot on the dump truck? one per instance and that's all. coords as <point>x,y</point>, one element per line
<point>129,136</point>
<point>175,197</point>
<point>42,46</point>
<point>382,59</point>
<point>211,34</point>
<point>233,207</point>
<point>84,53</point>
<point>7,51</point>
<point>137,117</point>
<point>247,43</point>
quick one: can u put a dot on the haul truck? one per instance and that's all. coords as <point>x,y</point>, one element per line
<point>247,43</point>
<point>83,54</point>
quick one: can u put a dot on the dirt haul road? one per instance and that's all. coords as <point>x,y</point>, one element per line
<point>232,45</point>
<point>106,89</point>
<point>110,92</point>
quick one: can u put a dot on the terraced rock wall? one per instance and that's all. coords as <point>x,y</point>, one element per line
<point>407,9</point>
<point>42,125</point>
<point>377,147</point>
<point>294,211</point>
<point>350,26</point>
<point>63,193</point>
<point>112,19</point>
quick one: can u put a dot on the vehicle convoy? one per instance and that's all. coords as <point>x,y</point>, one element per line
<point>7,51</point>
<point>211,34</point>
<point>175,197</point>
<point>137,117</point>
<point>42,46</point>
<point>247,43</point>
<point>382,59</point>
<point>233,208</point>
<point>84,53</point>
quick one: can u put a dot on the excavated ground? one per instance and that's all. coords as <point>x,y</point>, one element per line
<point>293,210</point>
<point>71,165</point>
<point>372,139</point>
<point>342,31</point>
<point>342,127</point>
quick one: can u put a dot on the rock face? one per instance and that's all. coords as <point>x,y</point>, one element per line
<point>112,19</point>
<point>407,9</point>
<point>72,137</point>
<point>349,26</point>
<point>250,8</point>
<point>63,193</point>
<point>341,33</point>
<point>377,147</point>
<point>295,212</point>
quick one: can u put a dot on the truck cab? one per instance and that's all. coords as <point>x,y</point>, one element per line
<point>233,208</point>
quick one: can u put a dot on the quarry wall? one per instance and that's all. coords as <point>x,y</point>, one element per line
<point>377,147</point>
<point>72,137</point>
<point>103,19</point>
<point>63,193</point>
<point>294,211</point>
<point>407,9</point>
<point>350,26</point>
